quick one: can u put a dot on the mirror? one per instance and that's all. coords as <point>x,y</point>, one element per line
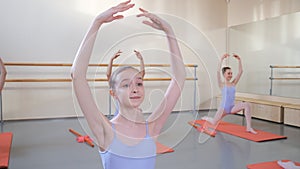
<point>274,41</point>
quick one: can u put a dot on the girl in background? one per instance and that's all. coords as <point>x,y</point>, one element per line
<point>228,95</point>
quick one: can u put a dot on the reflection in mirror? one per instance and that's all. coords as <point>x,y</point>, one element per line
<point>261,44</point>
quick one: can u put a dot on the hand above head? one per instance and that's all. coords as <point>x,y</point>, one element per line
<point>116,55</point>
<point>226,55</point>
<point>142,66</point>
<point>156,22</point>
<point>109,15</point>
<point>236,56</point>
<point>138,54</point>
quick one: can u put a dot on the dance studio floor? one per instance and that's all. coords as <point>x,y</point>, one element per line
<point>47,144</point>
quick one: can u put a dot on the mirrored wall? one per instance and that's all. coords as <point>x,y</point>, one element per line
<point>272,42</point>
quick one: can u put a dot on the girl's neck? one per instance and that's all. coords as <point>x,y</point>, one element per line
<point>134,115</point>
<point>228,83</point>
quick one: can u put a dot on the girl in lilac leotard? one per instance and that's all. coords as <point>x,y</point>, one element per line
<point>228,105</point>
<point>128,140</point>
<point>228,96</point>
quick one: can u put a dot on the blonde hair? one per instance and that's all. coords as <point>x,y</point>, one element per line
<point>112,80</point>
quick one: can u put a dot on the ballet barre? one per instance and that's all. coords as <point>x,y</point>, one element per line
<point>281,78</point>
<point>25,80</point>
<point>95,65</point>
<point>95,80</point>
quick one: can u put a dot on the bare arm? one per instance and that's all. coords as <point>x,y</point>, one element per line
<point>238,76</point>
<point>142,66</point>
<point>3,75</point>
<point>98,123</point>
<point>162,112</point>
<point>220,83</point>
<point>109,67</point>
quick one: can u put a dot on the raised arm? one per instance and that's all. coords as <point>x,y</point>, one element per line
<point>220,82</point>
<point>98,123</point>
<point>161,113</point>
<point>110,64</point>
<point>3,75</point>
<point>142,66</point>
<point>240,72</point>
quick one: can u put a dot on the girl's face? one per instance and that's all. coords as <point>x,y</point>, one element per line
<point>129,89</point>
<point>228,75</point>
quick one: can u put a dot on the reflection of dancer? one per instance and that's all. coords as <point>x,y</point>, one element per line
<point>110,65</point>
<point>127,141</point>
<point>228,95</point>
<point>288,165</point>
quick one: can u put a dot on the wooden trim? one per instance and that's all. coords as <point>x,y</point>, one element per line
<point>281,66</point>
<point>96,80</point>
<point>101,65</point>
<point>284,78</point>
<point>260,101</point>
<point>292,106</point>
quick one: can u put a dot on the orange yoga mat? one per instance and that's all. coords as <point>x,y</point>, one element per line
<point>161,149</point>
<point>268,165</point>
<point>240,131</point>
<point>5,144</point>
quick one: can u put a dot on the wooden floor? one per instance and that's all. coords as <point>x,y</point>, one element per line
<point>47,144</point>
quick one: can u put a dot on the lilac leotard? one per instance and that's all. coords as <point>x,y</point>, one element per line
<point>122,156</point>
<point>228,97</point>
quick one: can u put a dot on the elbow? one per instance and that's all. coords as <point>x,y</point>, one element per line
<point>107,76</point>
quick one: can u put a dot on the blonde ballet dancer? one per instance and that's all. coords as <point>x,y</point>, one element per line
<point>228,87</point>
<point>128,140</point>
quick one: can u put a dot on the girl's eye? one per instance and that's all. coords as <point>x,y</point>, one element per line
<point>140,84</point>
<point>125,85</point>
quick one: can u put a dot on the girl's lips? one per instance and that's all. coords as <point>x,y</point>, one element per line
<point>135,97</point>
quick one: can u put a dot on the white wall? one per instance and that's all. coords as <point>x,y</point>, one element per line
<point>245,11</point>
<point>51,31</point>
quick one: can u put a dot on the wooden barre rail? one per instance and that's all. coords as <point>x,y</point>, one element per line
<point>280,78</point>
<point>100,65</point>
<point>276,66</point>
<point>194,66</point>
<point>285,78</point>
<point>96,80</point>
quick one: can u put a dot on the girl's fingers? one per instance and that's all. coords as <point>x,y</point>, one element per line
<point>124,6</point>
<point>144,13</point>
<point>149,23</point>
<point>124,3</point>
<point>118,17</point>
<point>142,10</point>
